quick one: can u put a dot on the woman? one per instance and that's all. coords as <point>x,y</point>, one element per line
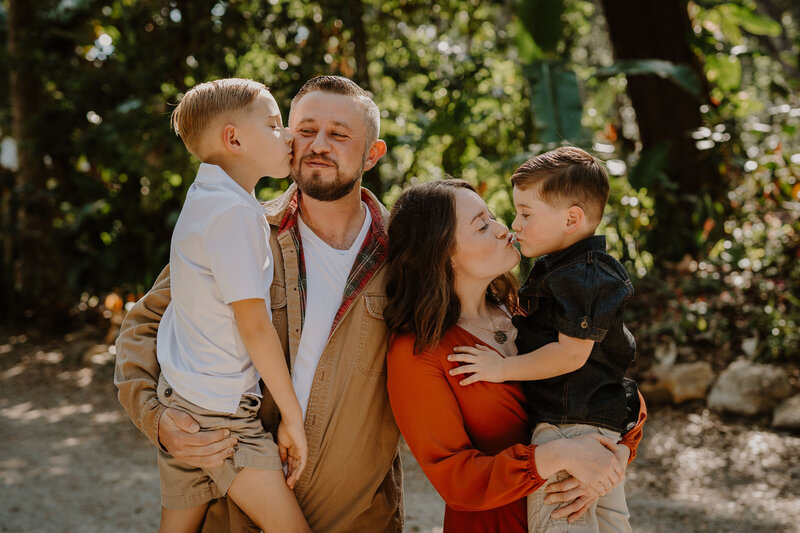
<point>449,285</point>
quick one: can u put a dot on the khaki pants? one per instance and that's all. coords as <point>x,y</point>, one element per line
<point>184,486</point>
<point>609,514</point>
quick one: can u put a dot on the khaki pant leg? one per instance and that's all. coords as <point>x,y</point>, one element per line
<point>608,515</point>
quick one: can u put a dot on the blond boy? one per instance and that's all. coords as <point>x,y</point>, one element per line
<point>573,343</point>
<point>216,339</point>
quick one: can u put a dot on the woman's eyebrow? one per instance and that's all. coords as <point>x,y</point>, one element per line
<point>476,217</point>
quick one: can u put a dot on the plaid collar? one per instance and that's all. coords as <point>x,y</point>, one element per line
<point>371,256</point>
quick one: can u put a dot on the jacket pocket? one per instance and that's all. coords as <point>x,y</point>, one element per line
<point>372,344</point>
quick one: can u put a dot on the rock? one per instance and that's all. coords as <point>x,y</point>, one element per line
<point>787,414</point>
<point>666,353</point>
<point>683,382</point>
<point>746,388</point>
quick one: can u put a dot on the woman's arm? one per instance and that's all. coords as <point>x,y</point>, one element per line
<point>430,419</point>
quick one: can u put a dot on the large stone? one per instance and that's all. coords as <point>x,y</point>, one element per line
<point>787,414</point>
<point>746,388</point>
<point>683,382</point>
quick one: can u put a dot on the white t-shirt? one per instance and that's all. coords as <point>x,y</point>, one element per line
<point>327,270</point>
<point>219,254</point>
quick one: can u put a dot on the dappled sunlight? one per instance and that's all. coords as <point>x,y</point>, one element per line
<point>25,413</point>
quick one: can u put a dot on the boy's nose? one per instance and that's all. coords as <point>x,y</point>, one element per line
<point>515,225</point>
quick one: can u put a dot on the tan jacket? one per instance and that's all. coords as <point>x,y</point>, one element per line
<point>353,480</point>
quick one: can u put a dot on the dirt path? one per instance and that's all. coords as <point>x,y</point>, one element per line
<point>71,461</point>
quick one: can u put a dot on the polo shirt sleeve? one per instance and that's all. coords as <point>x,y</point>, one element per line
<point>588,297</point>
<point>237,249</point>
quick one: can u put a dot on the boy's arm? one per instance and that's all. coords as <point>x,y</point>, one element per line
<point>264,348</point>
<point>554,359</point>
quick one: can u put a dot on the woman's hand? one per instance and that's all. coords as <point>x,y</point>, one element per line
<point>576,497</point>
<point>483,363</point>
<point>293,449</point>
<point>593,460</point>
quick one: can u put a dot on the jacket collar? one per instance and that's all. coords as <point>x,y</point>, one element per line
<point>282,211</point>
<point>582,247</point>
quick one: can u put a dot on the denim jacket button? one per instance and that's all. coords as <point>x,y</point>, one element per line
<point>584,324</point>
<point>168,392</point>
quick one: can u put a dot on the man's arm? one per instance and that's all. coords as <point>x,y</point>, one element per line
<point>136,372</point>
<point>136,377</point>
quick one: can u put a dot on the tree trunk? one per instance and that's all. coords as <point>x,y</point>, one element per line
<point>37,280</point>
<point>666,113</point>
<point>372,178</point>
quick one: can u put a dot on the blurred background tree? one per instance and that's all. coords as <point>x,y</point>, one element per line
<point>692,105</point>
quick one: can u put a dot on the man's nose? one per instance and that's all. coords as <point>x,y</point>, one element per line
<point>320,144</point>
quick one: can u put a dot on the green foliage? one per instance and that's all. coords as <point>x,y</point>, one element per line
<point>466,88</point>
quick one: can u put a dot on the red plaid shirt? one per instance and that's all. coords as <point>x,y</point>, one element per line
<point>373,253</point>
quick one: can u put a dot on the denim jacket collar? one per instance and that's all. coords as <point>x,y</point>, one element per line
<point>554,260</point>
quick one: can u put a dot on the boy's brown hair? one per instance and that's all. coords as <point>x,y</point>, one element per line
<point>205,102</point>
<point>567,176</point>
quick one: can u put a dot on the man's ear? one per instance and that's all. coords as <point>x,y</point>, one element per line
<point>575,216</point>
<point>376,151</point>
<point>230,139</point>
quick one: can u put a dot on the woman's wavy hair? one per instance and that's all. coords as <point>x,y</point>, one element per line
<point>420,276</point>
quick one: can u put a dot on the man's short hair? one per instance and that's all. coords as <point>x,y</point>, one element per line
<point>205,102</point>
<point>567,176</point>
<point>340,85</point>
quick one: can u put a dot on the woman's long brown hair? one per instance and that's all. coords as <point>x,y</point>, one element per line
<point>420,276</point>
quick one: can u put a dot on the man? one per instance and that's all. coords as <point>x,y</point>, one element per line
<point>329,245</point>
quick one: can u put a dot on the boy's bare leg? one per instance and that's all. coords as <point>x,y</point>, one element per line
<point>264,496</point>
<point>182,520</point>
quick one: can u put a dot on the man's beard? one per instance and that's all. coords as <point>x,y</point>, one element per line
<point>314,187</point>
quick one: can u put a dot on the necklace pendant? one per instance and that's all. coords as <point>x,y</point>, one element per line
<point>500,337</point>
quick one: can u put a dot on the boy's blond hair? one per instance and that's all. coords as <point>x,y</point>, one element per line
<point>567,176</point>
<point>205,102</point>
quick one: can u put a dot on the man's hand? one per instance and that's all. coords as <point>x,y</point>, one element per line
<point>483,363</point>
<point>576,497</point>
<point>293,449</point>
<point>180,435</point>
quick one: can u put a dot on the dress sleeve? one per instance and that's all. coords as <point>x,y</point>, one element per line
<point>632,438</point>
<point>430,420</point>
<point>136,371</point>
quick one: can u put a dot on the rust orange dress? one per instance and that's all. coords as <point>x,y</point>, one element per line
<point>472,442</point>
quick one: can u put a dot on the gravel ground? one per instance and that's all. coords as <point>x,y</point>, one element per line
<point>71,460</point>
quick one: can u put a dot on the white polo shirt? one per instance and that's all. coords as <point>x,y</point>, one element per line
<point>219,254</point>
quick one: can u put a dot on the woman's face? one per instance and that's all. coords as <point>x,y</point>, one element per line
<point>483,247</point>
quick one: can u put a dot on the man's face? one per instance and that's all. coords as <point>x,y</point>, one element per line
<point>330,144</point>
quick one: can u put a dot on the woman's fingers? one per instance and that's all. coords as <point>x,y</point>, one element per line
<point>562,487</point>
<point>573,510</point>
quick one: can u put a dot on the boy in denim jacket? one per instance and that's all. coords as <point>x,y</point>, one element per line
<point>573,343</point>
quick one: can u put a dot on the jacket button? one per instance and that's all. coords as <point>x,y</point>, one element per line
<point>584,324</point>
<point>168,392</point>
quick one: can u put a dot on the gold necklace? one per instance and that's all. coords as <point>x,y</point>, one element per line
<point>500,336</point>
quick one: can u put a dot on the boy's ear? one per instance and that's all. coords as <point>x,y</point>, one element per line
<point>230,139</point>
<point>575,216</point>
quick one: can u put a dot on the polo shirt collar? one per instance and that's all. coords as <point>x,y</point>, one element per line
<point>214,175</point>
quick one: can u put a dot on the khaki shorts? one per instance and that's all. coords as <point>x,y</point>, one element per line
<point>609,514</point>
<point>184,486</point>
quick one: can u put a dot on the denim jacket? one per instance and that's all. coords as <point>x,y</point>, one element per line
<point>579,291</point>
